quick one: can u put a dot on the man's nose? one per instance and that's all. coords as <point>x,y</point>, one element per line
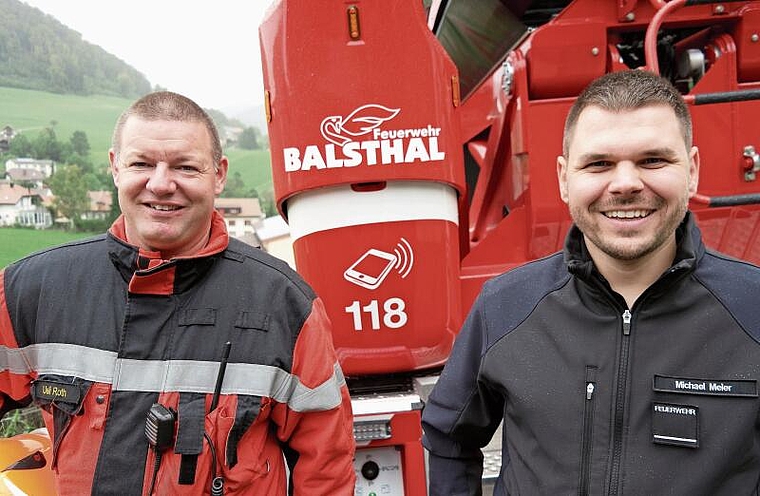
<point>626,178</point>
<point>161,181</point>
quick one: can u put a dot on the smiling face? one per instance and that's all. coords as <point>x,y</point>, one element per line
<point>627,180</point>
<point>167,181</point>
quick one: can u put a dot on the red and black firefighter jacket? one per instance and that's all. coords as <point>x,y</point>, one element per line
<point>97,331</point>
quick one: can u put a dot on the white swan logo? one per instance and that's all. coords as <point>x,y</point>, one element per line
<point>341,130</point>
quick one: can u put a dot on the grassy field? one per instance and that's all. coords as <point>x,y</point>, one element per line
<point>17,243</point>
<point>29,111</point>
<point>254,166</point>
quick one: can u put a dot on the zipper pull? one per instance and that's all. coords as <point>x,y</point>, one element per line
<point>589,390</point>
<point>627,322</point>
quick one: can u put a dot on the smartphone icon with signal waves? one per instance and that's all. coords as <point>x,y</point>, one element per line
<point>370,269</point>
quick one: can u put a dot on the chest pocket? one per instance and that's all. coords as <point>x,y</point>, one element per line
<point>245,319</point>
<point>197,316</point>
<point>190,435</point>
<point>207,446</point>
<point>686,409</point>
<point>63,398</point>
<point>247,411</point>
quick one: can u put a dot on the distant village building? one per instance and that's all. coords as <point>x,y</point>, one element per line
<point>246,222</point>
<point>46,167</point>
<point>230,135</point>
<point>23,207</point>
<point>274,235</point>
<point>6,135</point>
<point>25,177</point>
<point>241,215</point>
<point>100,205</point>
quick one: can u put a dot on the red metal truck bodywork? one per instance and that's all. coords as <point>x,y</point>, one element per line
<point>351,117</point>
<point>379,155</point>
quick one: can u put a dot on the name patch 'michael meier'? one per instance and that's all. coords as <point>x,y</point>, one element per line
<point>55,391</point>
<point>715,387</point>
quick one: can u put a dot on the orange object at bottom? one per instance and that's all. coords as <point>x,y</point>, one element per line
<point>25,464</point>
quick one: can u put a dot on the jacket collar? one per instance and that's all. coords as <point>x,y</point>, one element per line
<point>689,250</point>
<point>147,273</point>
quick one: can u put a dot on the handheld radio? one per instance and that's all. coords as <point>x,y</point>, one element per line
<point>159,429</point>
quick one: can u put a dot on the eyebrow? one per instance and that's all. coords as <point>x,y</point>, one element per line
<point>665,152</point>
<point>593,157</point>
<point>150,158</point>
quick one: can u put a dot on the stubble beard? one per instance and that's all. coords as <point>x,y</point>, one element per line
<point>628,246</point>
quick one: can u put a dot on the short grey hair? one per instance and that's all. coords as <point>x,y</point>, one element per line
<point>165,105</point>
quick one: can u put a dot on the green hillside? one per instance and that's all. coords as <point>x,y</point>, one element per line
<point>28,111</point>
<point>254,166</point>
<point>38,52</point>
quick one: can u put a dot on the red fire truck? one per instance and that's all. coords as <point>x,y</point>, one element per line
<point>413,147</point>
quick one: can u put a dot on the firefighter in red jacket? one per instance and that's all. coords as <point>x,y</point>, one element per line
<point>167,357</point>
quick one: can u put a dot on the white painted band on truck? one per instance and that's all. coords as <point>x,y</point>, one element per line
<point>339,206</point>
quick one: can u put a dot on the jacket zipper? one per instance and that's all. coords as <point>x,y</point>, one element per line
<point>622,386</point>
<point>588,430</point>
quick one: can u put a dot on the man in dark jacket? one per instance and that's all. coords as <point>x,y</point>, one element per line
<point>120,338</point>
<point>628,364</point>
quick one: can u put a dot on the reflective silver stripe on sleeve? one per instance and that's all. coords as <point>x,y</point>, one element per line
<point>327,393</point>
<point>174,375</point>
<point>14,361</point>
<point>62,359</point>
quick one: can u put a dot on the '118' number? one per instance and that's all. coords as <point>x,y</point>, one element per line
<point>394,315</point>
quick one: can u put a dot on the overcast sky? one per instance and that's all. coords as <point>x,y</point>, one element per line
<point>206,50</point>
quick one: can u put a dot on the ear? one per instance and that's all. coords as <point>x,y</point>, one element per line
<point>114,168</point>
<point>221,175</point>
<point>693,171</point>
<point>562,177</point>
